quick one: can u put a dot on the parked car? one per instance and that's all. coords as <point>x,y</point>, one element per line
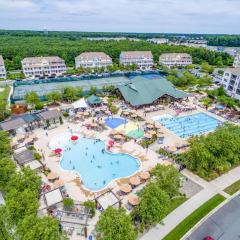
<point>208,238</point>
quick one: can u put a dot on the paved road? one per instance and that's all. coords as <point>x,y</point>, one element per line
<point>179,214</point>
<point>223,224</point>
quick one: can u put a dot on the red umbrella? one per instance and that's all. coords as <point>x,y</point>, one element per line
<point>74,138</point>
<point>111,143</point>
<point>58,150</point>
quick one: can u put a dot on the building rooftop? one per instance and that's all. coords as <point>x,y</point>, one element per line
<point>49,115</point>
<point>1,61</point>
<point>93,56</point>
<point>24,157</point>
<point>41,60</point>
<point>137,54</point>
<point>142,91</point>
<point>174,56</point>
<point>235,71</point>
<point>12,124</point>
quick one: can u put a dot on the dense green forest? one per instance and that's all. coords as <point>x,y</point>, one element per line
<point>224,40</point>
<point>213,39</point>
<point>15,48</point>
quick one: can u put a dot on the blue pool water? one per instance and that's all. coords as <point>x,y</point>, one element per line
<point>115,122</point>
<point>97,169</point>
<point>190,125</point>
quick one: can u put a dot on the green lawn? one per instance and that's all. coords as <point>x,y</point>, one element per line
<point>176,202</point>
<point>4,94</point>
<point>233,188</point>
<point>181,229</point>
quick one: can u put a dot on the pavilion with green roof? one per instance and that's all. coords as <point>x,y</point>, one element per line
<point>142,91</point>
<point>94,100</point>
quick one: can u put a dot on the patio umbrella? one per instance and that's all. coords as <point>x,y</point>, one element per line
<point>134,115</point>
<point>118,136</point>
<point>152,132</point>
<point>58,150</point>
<point>144,175</point>
<point>133,200</point>
<point>126,113</point>
<point>74,138</point>
<point>126,188</point>
<point>172,149</point>
<point>58,183</point>
<point>148,135</point>
<point>150,126</point>
<point>86,113</point>
<point>135,181</point>
<point>52,176</point>
<point>110,142</point>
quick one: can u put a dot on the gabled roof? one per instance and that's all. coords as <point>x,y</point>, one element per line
<point>137,54</point>
<point>12,124</point>
<point>93,99</point>
<point>48,115</point>
<point>86,56</point>
<point>142,91</point>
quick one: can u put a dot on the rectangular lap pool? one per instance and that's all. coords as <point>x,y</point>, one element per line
<point>190,125</point>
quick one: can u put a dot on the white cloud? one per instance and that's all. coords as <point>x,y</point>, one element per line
<point>210,16</point>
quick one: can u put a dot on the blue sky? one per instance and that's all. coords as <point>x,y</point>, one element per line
<point>181,16</point>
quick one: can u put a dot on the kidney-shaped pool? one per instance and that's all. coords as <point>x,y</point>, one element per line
<point>89,158</point>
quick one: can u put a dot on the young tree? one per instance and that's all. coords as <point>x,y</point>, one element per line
<point>54,97</point>
<point>36,228</point>
<point>92,90</point>
<point>91,206</point>
<point>7,170</point>
<point>168,179</point>
<point>69,94</point>
<point>21,204</point>
<point>115,224</point>
<point>32,98</point>
<point>79,92</point>
<point>68,203</point>
<point>153,206</point>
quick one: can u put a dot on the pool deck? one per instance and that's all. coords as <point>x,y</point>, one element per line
<point>72,180</point>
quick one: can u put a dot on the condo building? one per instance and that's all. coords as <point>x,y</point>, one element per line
<point>231,82</point>
<point>3,73</point>
<point>93,60</point>
<point>236,62</point>
<point>43,66</point>
<point>175,59</point>
<point>143,59</point>
<point>158,40</point>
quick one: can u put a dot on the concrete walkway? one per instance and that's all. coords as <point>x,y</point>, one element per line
<point>179,214</point>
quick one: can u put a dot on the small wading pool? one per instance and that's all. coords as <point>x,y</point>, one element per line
<point>190,125</point>
<point>115,122</point>
<point>96,167</point>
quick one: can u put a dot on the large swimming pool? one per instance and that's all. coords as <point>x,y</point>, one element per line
<point>190,125</point>
<point>96,167</point>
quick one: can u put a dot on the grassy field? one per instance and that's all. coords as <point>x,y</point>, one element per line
<point>3,102</point>
<point>181,229</point>
<point>4,94</point>
<point>233,188</point>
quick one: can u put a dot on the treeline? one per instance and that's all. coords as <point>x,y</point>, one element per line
<point>14,49</point>
<point>212,155</point>
<point>224,40</point>
<point>79,35</point>
<point>19,216</point>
